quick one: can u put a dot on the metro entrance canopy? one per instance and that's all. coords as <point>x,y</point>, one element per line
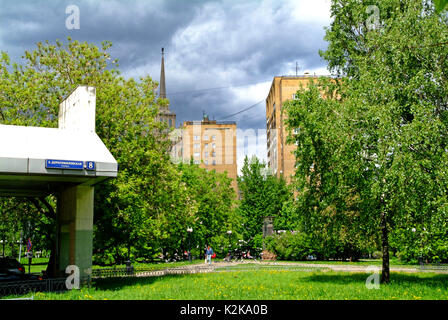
<point>39,161</point>
<point>66,162</point>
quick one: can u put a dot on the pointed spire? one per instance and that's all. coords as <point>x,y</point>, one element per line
<point>162,93</point>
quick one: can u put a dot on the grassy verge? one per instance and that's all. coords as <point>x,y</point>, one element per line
<point>262,285</point>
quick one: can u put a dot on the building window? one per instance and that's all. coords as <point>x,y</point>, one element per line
<point>196,138</point>
<point>197,154</point>
<point>205,138</point>
<point>197,146</point>
<point>196,162</point>
<point>206,162</point>
<point>213,154</point>
<point>214,162</point>
<point>213,138</point>
<point>206,146</point>
<point>213,146</point>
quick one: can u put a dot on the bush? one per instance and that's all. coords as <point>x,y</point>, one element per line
<point>296,246</point>
<point>291,246</point>
<point>431,247</point>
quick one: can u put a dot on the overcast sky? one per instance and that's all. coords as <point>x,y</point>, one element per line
<point>235,45</point>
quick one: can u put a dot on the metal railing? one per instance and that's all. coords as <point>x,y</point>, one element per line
<point>147,272</point>
<point>433,266</point>
<point>24,287</point>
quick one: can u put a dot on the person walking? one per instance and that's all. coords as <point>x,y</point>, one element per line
<point>209,253</point>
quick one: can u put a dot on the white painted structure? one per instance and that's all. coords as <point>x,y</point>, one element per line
<point>24,150</point>
<point>66,162</point>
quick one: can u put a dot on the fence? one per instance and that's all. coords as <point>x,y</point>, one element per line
<point>24,287</point>
<point>59,284</point>
<point>146,272</point>
<point>433,266</point>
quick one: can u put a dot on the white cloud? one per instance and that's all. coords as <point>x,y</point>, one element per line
<point>250,142</point>
<point>315,11</point>
<point>252,93</point>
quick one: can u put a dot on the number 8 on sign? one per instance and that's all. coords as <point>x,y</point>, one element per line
<point>90,165</point>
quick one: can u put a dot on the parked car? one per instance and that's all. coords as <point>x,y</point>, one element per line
<point>12,270</point>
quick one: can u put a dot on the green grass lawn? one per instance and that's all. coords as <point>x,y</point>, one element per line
<point>37,264</point>
<point>257,282</point>
<point>262,285</point>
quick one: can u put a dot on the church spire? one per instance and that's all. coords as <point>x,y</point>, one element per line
<point>162,93</point>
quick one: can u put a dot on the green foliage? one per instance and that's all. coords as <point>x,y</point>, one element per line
<point>291,246</point>
<point>262,195</point>
<point>328,184</point>
<point>145,211</point>
<point>440,5</point>
<point>215,215</point>
<point>372,147</point>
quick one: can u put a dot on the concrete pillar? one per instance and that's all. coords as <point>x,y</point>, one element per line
<point>77,111</point>
<point>75,229</point>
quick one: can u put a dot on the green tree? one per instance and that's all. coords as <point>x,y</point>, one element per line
<point>329,178</point>
<point>389,114</point>
<point>440,5</point>
<point>262,195</point>
<point>214,198</point>
<point>147,200</point>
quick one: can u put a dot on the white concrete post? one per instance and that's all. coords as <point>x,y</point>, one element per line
<point>77,111</point>
<point>75,204</point>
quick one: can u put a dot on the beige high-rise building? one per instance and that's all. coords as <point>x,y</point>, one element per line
<point>280,155</point>
<point>211,144</point>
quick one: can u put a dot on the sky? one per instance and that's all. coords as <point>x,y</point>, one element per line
<point>220,55</point>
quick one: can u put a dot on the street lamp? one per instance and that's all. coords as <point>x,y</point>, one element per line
<point>189,230</point>
<point>3,242</point>
<point>229,232</point>
<point>420,257</point>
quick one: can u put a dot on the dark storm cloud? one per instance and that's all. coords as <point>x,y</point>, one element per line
<point>208,44</point>
<point>137,28</point>
<point>245,43</point>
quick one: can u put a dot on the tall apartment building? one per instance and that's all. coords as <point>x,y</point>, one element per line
<point>280,154</point>
<point>211,144</point>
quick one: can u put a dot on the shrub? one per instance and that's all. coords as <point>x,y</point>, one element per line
<point>290,246</point>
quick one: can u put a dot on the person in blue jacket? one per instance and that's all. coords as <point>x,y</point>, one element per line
<point>209,253</point>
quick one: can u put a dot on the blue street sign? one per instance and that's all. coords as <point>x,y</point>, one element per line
<point>64,164</point>
<point>90,165</point>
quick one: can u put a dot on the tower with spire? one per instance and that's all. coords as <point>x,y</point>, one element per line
<point>165,114</point>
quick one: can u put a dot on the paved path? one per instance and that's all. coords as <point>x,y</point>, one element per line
<point>227,266</point>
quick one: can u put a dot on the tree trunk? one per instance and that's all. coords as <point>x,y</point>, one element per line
<point>385,274</point>
<point>51,267</point>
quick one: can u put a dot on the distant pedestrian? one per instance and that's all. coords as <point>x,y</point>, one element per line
<point>209,253</point>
